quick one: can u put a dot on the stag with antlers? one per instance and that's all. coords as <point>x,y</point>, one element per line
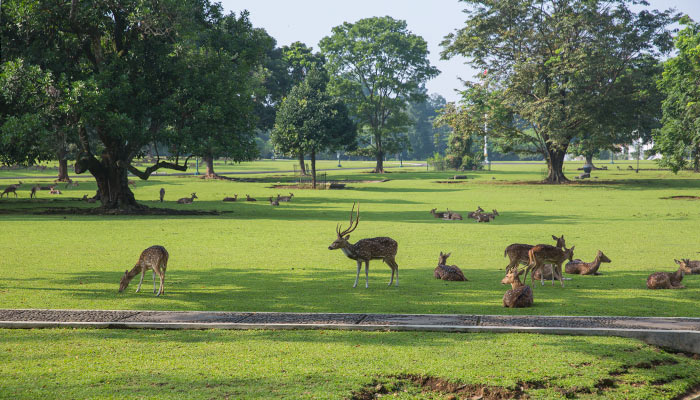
<point>381,248</point>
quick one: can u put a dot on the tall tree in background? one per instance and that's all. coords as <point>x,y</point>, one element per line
<point>680,131</point>
<point>377,66</point>
<point>425,138</point>
<point>557,63</point>
<point>310,120</point>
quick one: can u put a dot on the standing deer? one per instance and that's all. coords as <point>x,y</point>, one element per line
<point>689,267</point>
<point>248,198</point>
<point>162,194</point>
<point>382,248</point>
<point>518,253</point>
<point>447,272</point>
<point>274,202</point>
<point>666,280</point>
<point>187,200</point>
<point>32,194</point>
<point>154,258</point>
<point>520,295</point>
<point>438,214</point>
<point>10,189</point>
<point>544,253</point>
<point>579,267</point>
<point>285,198</point>
<point>234,198</point>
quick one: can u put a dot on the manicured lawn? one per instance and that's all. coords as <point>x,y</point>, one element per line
<point>330,364</point>
<point>254,257</point>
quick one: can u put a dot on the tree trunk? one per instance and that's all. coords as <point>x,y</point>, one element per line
<point>313,169</point>
<point>112,181</point>
<point>696,158</point>
<point>209,160</point>
<point>63,169</point>
<point>300,156</point>
<point>589,161</point>
<point>555,165</point>
<point>379,154</point>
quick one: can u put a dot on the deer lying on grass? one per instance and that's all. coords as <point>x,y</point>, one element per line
<point>248,198</point>
<point>666,280</point>
<point>449,215</point>
<point>154,258</point>
<point>520,295</point>
<point>438,214</point>
<point>285,198</point>
<point>162,194</point>
<point>55,191</point>
<point>234,198</point>
<point>274,202</point>
<point>544,253</point>
<point>187,200</point>
<point>88,199</point>
<point>382,248</point>
<point>519,253</point>
<point>447,272</point>
<point>582,268</point>
<point>689,267</point>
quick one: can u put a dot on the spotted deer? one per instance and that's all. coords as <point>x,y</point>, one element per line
<point>285,198</point>
<point>666,280</point>
<point>438,214</point>
<point>452,215</point>
<point>162,194</point>
<point>544,253</point>
<point>689,267</point>
<point>447,272</point>
<point>248,198</point>
<point>187,200</point>
<point>518,253</point>
<point>154,258</point>
<point>274,202</point>
<point>583,268</point>
<point>381,248</point>
<point>520,295</point>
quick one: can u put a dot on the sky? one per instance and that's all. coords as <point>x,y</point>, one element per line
<point>308,21</point>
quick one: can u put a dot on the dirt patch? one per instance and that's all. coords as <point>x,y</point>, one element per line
<point>437,385</point>
<point>451,182</point>
<point>135,211</point>
<point>681,198</point>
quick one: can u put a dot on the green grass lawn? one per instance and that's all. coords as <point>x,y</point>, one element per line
<point>255,257</point>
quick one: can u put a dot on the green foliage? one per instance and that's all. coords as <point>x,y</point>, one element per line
<point>680,132</point>
<point>425,138</point>
<point>556,65</point>
<point>377,66</point>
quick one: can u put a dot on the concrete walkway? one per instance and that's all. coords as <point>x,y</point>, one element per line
<point>682,334</point>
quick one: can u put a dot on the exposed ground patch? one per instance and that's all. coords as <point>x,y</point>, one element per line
<point>681,198</point>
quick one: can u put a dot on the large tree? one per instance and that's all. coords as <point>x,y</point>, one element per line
<point>679,135</point>
<point>123,59</point>
<point>556,64</point>
<point>377,65</point>
<point>311,120</point>
<point>425,137</point>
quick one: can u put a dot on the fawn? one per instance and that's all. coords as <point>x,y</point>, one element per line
<point>447,272</point>
<point>520,295</point>
<point>544,253</point>
<point>187,200</point>
<point>154,258</point>
<point>583,268</point>
<point>666,280</point>
<point>382,248</point>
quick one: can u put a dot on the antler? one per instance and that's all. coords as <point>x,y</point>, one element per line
<point>350,228</point>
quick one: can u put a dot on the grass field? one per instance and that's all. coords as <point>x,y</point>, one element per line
<point>255,257</point>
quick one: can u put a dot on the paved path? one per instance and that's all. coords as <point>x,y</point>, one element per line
<point>682,334</point>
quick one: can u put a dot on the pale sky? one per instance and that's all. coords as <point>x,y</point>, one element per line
<point>308,21</point>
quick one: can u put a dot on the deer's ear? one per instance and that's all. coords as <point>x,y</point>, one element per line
<point>554,237</point>
<point>441,254</point>
<point>677,262</point>
<point>448,254</point>
<point>126,272</point>
<point>521,272</point>
<point>347,237</point>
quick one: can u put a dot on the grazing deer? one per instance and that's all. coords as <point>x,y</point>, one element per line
<point>274,202</point>
<point>154,258</point>
<point>452,215</point>
<point>582,268</point>
<point>382,248</point>
<point>10,189</point>
<point>187,200</point>
<point>666,280</point>
<point>55,191</point>
<point>447,272</point>
<point>438,214</point>
<point>32,194</point>
<point>520,295</point>
<point>162,194</point>
<point>519,253</point>
<point>248,198</point>
<point>544,253</point>
<point>234,198</point>
<point>285,198</point>
<point>689,267</point>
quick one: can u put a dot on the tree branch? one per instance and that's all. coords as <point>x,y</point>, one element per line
<point>155,167</point>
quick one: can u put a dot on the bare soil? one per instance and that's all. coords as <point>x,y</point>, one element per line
<point>681,198</point>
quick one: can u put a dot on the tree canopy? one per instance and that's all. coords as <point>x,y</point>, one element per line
<point>377,65</point>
